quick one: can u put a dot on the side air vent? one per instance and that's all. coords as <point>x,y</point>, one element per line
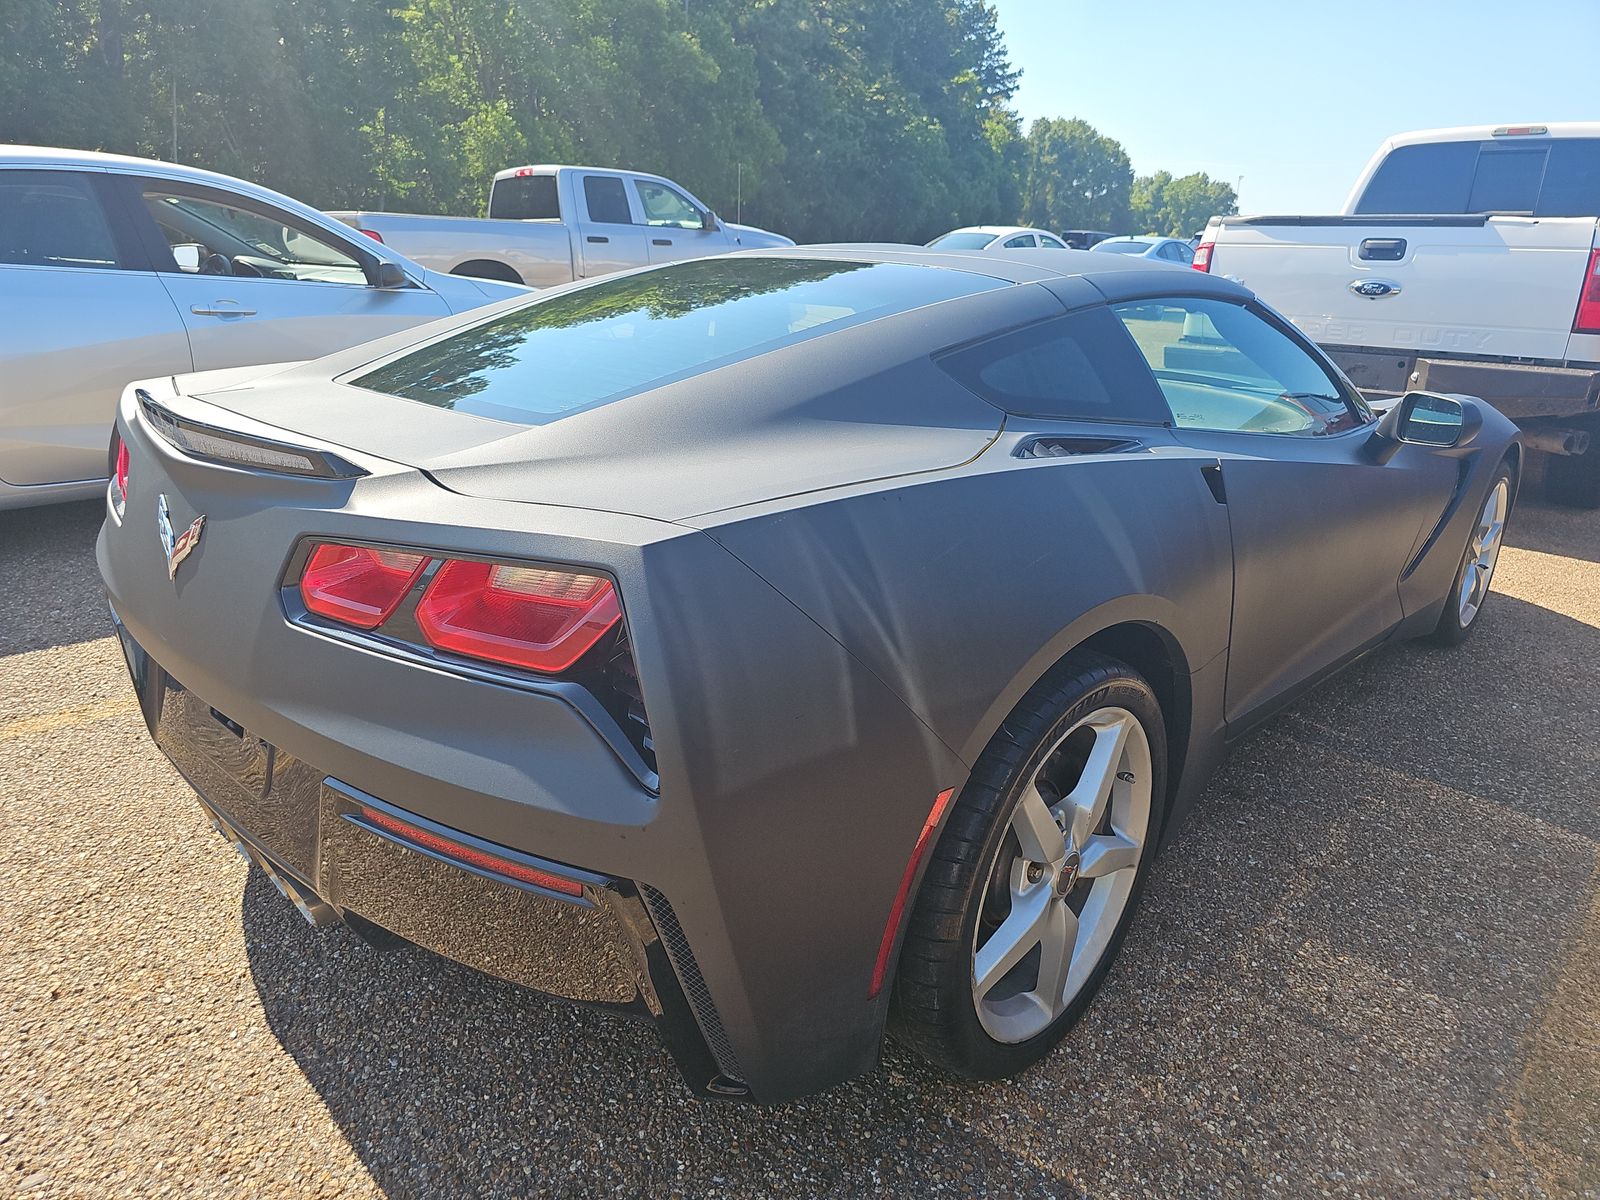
<point>694,984</point>
<point>1072,447</point>
<point>623,678</point>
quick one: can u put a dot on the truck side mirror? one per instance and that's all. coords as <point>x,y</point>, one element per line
<point>385,274</point>
<point>709,222</point>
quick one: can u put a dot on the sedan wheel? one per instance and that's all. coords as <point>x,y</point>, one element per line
<point>1470,590</point>
<point>1036,874</point>
<point>1059,886</point>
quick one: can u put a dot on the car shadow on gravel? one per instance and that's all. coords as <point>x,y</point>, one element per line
<point>1336,974</point>
<point>52,595</point>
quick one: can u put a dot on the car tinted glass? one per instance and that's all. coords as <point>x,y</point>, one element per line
<point>1507,180</point>
<point>1121,247</point>
<point>1047,241</point>
<point>962,241</point>
<point>1571,179</point>
<point>246,241</point>
<point>1078,366</point>
<point>1018,242</point>
<point>1432,178</point>
<point>607,202</point>
<point>524,198</point>
<point>621,336</point>
<point>1222,367</point>
<point>52,219</point>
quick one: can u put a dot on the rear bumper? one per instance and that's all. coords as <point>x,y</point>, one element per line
<point>1519,390</point>
<point>615,946</point>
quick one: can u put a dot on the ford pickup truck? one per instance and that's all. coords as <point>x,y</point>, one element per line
<point>553,224</point>
<point>1465,260</point>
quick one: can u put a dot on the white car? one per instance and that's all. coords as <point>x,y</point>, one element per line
<point>1464,260</point>
<point>117,268</point>
<point>1162,249</point>
<point>996,237</point>
<point>550,224</point>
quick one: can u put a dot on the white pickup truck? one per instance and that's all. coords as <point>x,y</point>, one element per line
<point>552,224</point>
<point>1465,260</point>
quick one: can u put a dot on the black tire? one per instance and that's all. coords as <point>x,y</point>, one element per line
<point>486,268</point>
<point>1450,631</point>
<point>934,1010</point>
<point>1574,479</point>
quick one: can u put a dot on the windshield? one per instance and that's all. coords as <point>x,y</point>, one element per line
<point>962,241</point>
<point>623,335</point>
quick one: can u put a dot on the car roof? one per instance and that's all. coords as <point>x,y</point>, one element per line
<point>1118,276</point>
<point>997,230</point>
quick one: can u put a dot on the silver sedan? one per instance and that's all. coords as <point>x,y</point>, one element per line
<point>116,268</point>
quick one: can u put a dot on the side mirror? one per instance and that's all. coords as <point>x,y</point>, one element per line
<point>709,222</point>
<point>1427,419</point>
<point>189,256</point>
<point>386,274</point>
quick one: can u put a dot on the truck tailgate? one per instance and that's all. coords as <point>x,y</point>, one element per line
<point>1500,286</point>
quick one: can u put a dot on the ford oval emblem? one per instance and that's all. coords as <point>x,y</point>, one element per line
<point>1374,289</point>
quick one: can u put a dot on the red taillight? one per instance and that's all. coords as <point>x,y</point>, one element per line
<point>374,235</point>
<point>1202,256</point>
<point>533,617</point>
<point>880,969</point>
<point>470,855</point>
<point>1588,318</point>
<point>119,478</point>
<point>358,585</point>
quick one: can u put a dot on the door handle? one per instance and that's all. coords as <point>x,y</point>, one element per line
<point>216,310</point>
<point>661,241</point>
<point>600,241</point>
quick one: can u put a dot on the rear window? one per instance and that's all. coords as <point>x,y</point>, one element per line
<point>1122,247</point>
<point>962,241</point>
<point>1081,366</point>
<point>625,335</point>
<point>1554,177</point>
<point>524,198</point>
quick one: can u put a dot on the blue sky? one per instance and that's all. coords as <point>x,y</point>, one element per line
<point>1296,96</point>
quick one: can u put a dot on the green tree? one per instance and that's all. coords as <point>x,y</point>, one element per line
<point>1074,177</point>
<point>1179,207</point>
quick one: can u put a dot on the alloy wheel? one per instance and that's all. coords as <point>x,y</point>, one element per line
<point>1483,551</point>
<point>1063,875</point>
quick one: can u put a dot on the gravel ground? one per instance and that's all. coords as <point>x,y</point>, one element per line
<point>1369,967</point>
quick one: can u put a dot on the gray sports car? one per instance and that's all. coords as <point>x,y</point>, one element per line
<point>786,646</point>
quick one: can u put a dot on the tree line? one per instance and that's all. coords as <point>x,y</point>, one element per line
<point>824,119</point>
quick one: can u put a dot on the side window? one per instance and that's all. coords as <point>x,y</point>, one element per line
<point>1021,240</point>
<point>1169,251</point>
<point>606,200</point>
<point>1050,243</point>
<point>53,219</point>
<point>213,234</point>
<point>1222,367</point>
<point>1079,366</point>
<point>1185,252</point>
<point>666,206</point>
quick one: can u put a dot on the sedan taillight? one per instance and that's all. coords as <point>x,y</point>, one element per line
<point>538,618</point>
<point>358,585</point>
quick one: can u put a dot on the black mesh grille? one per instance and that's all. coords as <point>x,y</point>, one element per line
<point>694,984</point>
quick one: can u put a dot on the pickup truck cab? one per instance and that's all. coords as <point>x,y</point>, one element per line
<point>553,224</point>
<point>1465,260</point>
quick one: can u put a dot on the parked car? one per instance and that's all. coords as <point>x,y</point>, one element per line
<point>1162,249</point>
<point>116,268</point>
<point>552,224</point>
<point>778,644</point>
<point>996,237</point>
<point>1464,260</point>
<point>1083,239</point>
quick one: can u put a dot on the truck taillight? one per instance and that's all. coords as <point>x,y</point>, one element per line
<point>1588,318</point>
<point>537,618</point>
<point>1202,256</point>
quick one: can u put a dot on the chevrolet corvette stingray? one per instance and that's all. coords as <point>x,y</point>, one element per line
<point>785,647</point>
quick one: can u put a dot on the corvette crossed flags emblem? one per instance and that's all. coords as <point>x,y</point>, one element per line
<point>180,547</point>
